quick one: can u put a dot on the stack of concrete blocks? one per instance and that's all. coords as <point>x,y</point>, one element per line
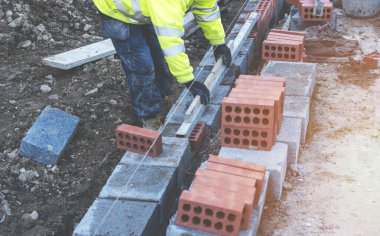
<point>252,113</point>
<point>284,45</point>
<point>222,196</point>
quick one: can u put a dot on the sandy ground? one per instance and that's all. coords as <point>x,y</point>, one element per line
<point>335,188</point>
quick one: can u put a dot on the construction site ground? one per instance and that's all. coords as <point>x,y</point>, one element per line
<point>334,190</point>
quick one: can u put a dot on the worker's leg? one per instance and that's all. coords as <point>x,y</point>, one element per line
<point>136,59</point>
<point>163,75</point>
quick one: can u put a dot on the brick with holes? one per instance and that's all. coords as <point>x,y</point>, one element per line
<point>211,214</point>
<point>237,163</point>
<point>198,136</point>
<point>230,196</point>
<point>261,83</point>
<point>306,7</point>
<point>251,113</point>
<point>256,176</point>
<point>281,50</point>
<point>225,178</point>
<point>261,78</point>
<point>139,140</point>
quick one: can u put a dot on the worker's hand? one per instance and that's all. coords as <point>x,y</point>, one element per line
<point>223,51</point>
<point>198,88</point>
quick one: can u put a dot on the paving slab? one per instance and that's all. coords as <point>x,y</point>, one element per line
<point>254,222</point>
<point>212,117</point>
<point>124,218</point>
<point>49,135</point>
<point>300,77</point>
<point>298,107</point>
<point>274,160</point>
<point>290,133</point>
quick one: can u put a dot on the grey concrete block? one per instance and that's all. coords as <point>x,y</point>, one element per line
<point>212,117</point>
<point>290,133</point>
<point>300,77</point>
<point>298,107</point>
<point>229,78</point>
<point>274,160</point>
<point>220,93</point>
<point>171,129</point>
<point>176,153</point>
<point>118,218</point>
<point>241,60</point>
<point>177,230</point>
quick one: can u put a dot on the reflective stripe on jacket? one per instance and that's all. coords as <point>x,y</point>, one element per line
<point>167,19</point>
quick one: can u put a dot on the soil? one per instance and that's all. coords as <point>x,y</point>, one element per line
<point>335,188</point>
<point>61,194</point>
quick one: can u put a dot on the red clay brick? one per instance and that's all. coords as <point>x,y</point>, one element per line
<point>198,136</point>
<point>229,196</point>
<point>371,60</point>
<point>263,83</point>
<point>136,139</point>
<point>305,7</point>
<point>225,178</point>
<point>237,163</point>
<point>251,113</point>
<point>281,50</point>
<point>288,31</point>
<point>211,214</point>
<point>265,78</point>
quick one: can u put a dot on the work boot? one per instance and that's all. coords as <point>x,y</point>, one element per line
<point>153,124</point>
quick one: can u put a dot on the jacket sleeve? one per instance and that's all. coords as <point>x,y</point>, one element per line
<point>167,19</point>
<point>207,15</point>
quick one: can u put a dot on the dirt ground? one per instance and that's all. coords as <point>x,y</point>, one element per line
<point>335,188</point>
<point>60,194</point>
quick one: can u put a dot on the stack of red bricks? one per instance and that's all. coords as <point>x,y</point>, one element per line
<point>222,196</point>
<point>252,113</point>
<point>284,45</point>
<point>306,8</point>
<point>266,9</point>
<point>139,140</point>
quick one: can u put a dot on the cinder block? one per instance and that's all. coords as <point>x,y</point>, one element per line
<point>211,117</point>
<point>212,214</point>
<point>175,230</point>
<point>300,77</point>
<point>274,160</point>
<point>221,92</point>
<point>290,133</point>
<point>298,107</point>
<point>110,217</point>
<point>48,137</point>
<point>140,140</point>
<point>229,78</point>
<point>241,60</point>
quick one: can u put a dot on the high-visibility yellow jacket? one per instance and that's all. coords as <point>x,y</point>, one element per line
<point>167,19</point>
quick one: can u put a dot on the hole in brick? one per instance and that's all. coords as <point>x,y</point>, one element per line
<point>227,131</point>
<point>207,223</point>
<point>306,10</point>
<point>236,142</point>
<point>142,140</point>
<point>238,110</point>
<point>142,148</point>
<point>306,16</point>
<point>184,218</point>
<point>279,55</point>
<point>267,47</point>
<point>266,54</point>
<point>149,142</point>
<point>255,133</point>
<point>311,16</point>
<point>246,120</point>
<point>135,146</point>
<point>228,109</point>
<point>266,112</point>
<point>328,16</point>
<point>279,48</point>
<point>236,132</point>
<point>196,220</point>
<point>245,133</point>
<point>186,207</point>
<point>256,111</point>
<point>273,48</point>
<point>286,49</point>
<point>220,215</point>
<point>127,136</point>
<point>237,119</point>
<point>247,110</point>
<point>129,145</point>
<point>231,217</point>
<point>293,56</point>
<point>328,10</point>
<point>286,56</point>
<point>120,135</point>
<point>273,54</point>
<point>264,134</point>
<point>245,142</point>
<point>218,225</point>
<point>230,228</point>
<point>254,143</point>
<point>227,140</point>
<point>293,49</point>
<point>209,212</point>
<point>265,121</point>
<point>256,120</point>
<point>228,119</point>
<point>198,210</point>
<point>134,138</point>
<point>121,143</point>
<point>264,143</point>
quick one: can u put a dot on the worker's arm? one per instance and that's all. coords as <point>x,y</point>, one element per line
<point>167,19</point>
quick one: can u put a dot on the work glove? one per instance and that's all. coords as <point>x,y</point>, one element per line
<point>198,88</point>
<point>224,52</point>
